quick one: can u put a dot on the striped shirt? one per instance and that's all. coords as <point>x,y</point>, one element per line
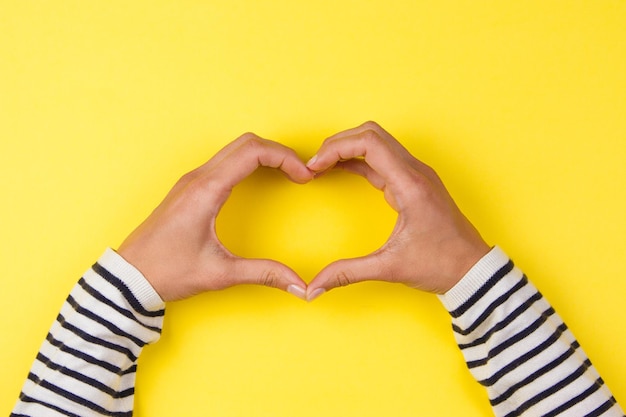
<point>88,362</point>
<point>512,340</point>
<point>519,349</point>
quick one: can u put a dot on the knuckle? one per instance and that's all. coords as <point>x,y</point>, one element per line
<point>371,125</point>
<point>344,279</point>
<point>270,278</point>
<point>421,186</point>
<point>187,178</point>
<point>247,136</point>
<point>197,193</point>
<point>370,137</point>
<point>252,140</point>
<point>427,170</point>
<point>248,141</point>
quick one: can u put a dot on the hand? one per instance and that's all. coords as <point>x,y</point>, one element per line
<point>176,247</point>
<point>432,244</point>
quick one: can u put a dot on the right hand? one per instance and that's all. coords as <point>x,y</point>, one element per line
<point>432,245</point>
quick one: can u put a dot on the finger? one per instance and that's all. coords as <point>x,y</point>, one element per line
<point>345,133</point>
<point>390,139</point>
<point>242,156</point>
<point>344,272</point>
<point>216,159</point>
<point>359,167</point>
<point>371,145</point>
<point>369,125</point>
<point>268,273</point>
<point>373,127</point>
<point>250,151</point>
<point>246,155</point>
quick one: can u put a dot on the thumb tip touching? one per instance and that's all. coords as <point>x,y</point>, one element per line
<point>305,294</point>
<point>297,290</point>
<point>311,161</point>
<point>278,275</point>
<point>312,294</point>
<point>338,274</point>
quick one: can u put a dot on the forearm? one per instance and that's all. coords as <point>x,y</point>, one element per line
<point>517,347</point>
<point>87,364</point>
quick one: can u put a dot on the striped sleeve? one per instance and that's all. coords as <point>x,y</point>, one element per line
<point>517,346</point>
<point>87,364</point>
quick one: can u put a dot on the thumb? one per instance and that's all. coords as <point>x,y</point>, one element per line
<point>270,274</point>
<point>342,273</point>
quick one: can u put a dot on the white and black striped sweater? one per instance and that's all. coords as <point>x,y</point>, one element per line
<point>513,342</point>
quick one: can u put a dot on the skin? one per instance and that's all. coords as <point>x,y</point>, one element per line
<point>176,247</point>
<point>431,247</point>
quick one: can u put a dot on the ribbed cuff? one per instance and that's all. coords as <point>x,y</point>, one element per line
<point>134,280</point>
<point>475,278</point>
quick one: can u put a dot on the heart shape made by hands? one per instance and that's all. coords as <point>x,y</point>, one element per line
<point>304,226</point>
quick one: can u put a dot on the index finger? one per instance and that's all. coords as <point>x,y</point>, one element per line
<point>381,151</point>
<point>243,156</point>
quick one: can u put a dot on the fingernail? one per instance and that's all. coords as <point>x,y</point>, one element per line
<point>311,161</point>
<point>297,291</point>
<point>314,294</point>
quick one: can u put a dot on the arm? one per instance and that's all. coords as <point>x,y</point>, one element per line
<point>512,340</point>
<point>87,365</point>
<point>518,347</point>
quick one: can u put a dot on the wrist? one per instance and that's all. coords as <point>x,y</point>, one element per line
<point>141,289</point>
<point>466,259</point>
<point>474,279</point>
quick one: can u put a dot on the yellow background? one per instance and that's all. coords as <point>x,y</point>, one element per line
<point>519,105</point>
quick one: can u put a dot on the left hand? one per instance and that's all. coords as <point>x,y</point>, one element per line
<point>176,248</point>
